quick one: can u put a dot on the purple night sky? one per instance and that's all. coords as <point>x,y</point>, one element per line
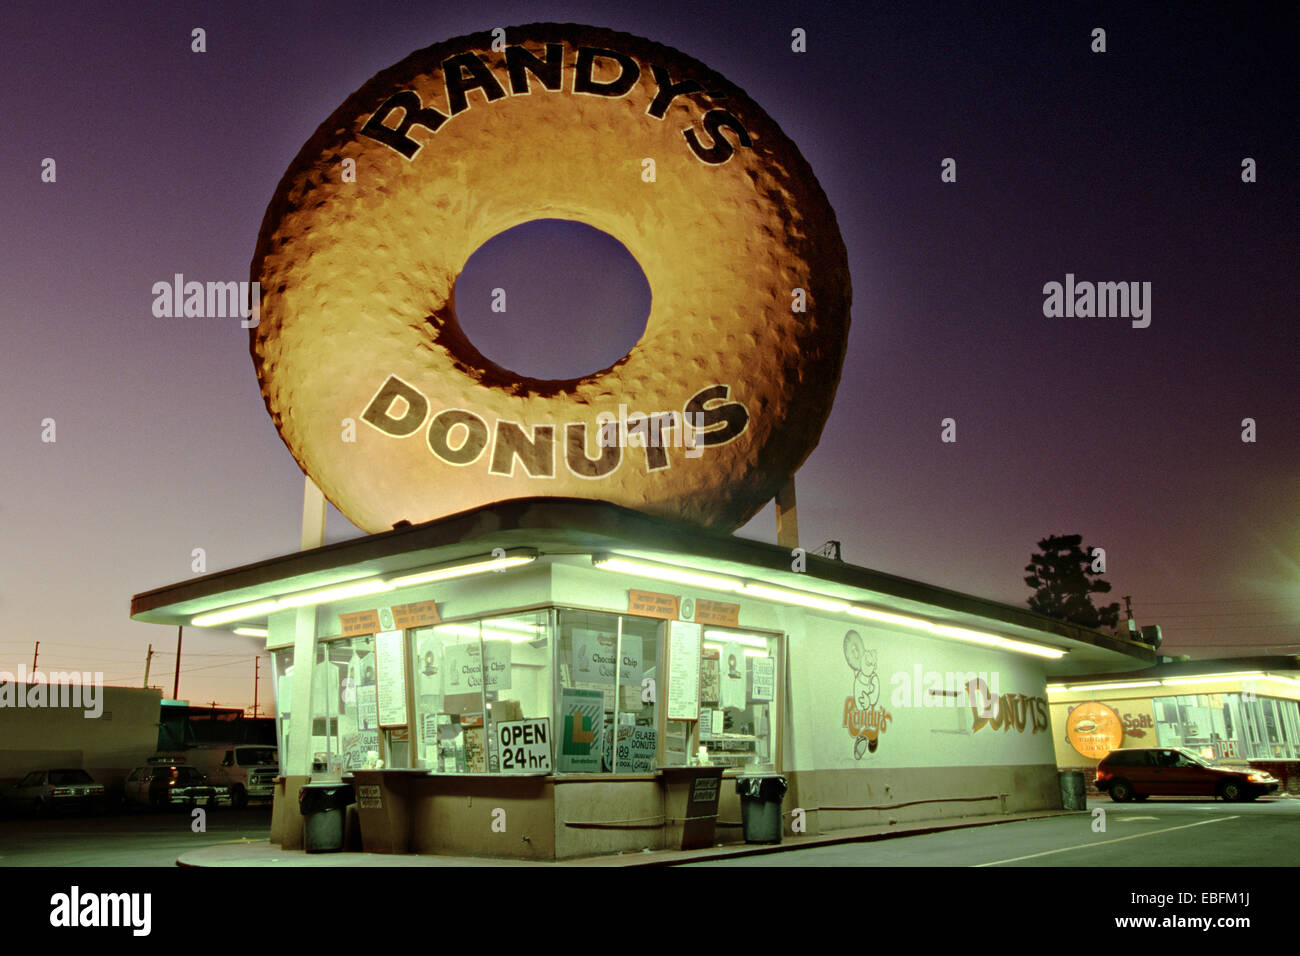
<point>1122,166</point>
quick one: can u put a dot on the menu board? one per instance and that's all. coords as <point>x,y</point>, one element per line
<point>392,678</point>
<point>684,671</point>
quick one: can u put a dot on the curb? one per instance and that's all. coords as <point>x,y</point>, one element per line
<point>654,858</point>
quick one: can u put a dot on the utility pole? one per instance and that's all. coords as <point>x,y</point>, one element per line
<point>176,687</point>
<point>35,654</point>
<point>257,667</point>
<point>147,661</point>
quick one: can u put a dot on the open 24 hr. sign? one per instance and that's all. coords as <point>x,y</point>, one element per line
<point>524,745</point>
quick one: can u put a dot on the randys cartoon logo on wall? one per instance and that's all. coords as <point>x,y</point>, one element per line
<point>865,719</point>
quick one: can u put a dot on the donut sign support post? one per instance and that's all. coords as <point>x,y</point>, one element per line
<point>787,517</point>
<point>704,420</point>
<point>313,516</point>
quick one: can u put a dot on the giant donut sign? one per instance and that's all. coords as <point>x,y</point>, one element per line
<point>720,401</point>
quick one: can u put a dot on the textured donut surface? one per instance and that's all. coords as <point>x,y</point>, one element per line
<point>391,410</point>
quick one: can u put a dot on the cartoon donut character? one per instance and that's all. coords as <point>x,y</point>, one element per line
<point>866,685</point>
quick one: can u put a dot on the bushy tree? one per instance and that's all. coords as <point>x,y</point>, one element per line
<point>1063,578</point>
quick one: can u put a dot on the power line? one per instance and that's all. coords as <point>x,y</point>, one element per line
<point>1224,601</point>
<point>1226,628</point>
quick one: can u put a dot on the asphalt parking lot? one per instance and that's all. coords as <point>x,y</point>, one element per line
<point>144,838</point>
<point>1170,832</point>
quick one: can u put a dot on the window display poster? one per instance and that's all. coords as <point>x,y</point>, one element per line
<point>763,683</point>
<point>368,707</point>
<point>429,728</point>
<point>391,674</point>
<point>593,658</point>
<point>356,746</point>
<point>427,668</point>
<point>629,672</point>
<point>607,750</point>
<point>710,676</point>
<point>475,755</point>
<point>684,671</point>
<point>463,668</point>
<point>582,732</point>
<point>733,676</point>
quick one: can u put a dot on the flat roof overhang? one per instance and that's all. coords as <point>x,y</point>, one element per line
<point>570,526</point>
<point>1283,664</point>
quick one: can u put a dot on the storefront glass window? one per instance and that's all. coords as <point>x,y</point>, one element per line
<point>608,709</point>
<point>282,666</point>
<point>1226,726</point>
<point>458,710</point>
<point>737,693</point>
<point>345,717</point>
<point>636,738</point>
<point>738,686</point>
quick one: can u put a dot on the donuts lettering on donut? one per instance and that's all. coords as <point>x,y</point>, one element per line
<point>730,385</point>
<point>707,420</point>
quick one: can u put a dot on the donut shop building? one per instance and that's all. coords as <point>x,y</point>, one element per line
<point>536,679</point>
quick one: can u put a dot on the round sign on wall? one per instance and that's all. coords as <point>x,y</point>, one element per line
<point>395,415</point>
<point>1094,730</point>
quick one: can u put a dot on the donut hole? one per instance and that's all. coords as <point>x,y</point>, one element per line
<point>552,299</point>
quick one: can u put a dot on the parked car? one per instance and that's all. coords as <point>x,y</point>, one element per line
<point>172,785</point>
<point>1135,773</point>
<point>54,791</point>
<point>249,770</point>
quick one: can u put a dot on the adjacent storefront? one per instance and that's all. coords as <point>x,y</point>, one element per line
<point>522,679</point>
<point>1233,709</point>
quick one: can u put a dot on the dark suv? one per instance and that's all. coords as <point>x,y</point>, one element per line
<point>1140,772</point>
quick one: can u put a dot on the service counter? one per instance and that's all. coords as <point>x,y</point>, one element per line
<point>528,816</point>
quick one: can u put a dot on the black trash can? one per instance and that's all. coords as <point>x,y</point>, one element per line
<point>1073,794</point>
<point>324,808</point>
<point>760,806</point>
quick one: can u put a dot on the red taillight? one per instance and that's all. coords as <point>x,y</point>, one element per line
<point>61,792</point>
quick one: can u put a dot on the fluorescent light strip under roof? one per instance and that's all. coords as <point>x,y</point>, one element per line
<point>661,572</point>
<point>357,589</point>
<point>1177,682</point>
<point>717,582</point>
<point>1129,686</point>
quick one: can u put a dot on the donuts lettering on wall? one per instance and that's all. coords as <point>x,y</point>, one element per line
<point>729,387</point>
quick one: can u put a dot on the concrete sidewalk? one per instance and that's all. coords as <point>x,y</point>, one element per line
<point>264,853</point>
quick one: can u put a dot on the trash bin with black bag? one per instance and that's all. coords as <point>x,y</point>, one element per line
<point>324,809</point>
<point>760,806</point>
<point>1073,794</point>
